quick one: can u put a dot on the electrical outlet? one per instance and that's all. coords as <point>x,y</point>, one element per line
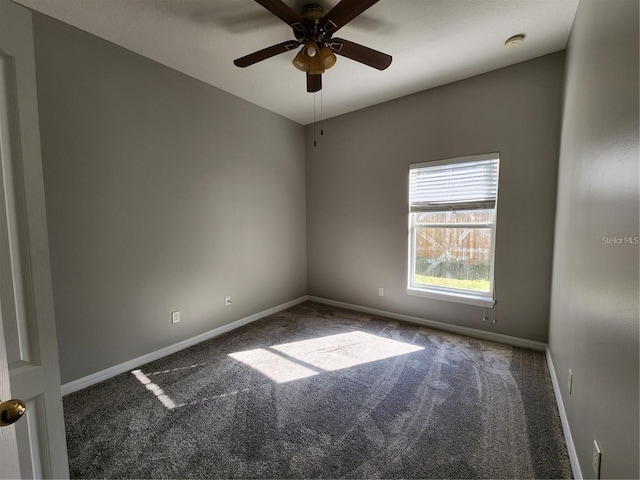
<point>175,317</point>
<point>227,301</point>
<point>570,381</point>
<point>597,458</point>
<point>381,292</point>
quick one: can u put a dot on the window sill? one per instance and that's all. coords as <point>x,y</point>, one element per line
<point>451,296</point>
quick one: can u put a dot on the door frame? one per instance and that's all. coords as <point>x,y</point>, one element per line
<point>27,322</point>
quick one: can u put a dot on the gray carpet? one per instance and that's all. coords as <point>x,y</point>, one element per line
<point>320,392</point>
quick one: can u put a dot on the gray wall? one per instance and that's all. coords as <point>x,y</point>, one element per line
<point>594,308</point>
<point>357,196</point>
<point>163,194</point>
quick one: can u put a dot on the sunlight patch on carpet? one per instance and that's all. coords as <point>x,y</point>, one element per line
<point>272,365</point>
<point>155,389</point>
<point>306,358</point>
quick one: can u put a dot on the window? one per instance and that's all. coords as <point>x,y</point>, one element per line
<point>452,220</point>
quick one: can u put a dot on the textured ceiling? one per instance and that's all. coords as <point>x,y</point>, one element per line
<point>433,42</point>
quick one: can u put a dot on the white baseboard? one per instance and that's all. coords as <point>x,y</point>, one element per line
<point>470,332</point>
<point>102,375</point>
<point>571,448</point>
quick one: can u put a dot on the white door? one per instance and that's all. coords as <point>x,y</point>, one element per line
<point>29,353</point>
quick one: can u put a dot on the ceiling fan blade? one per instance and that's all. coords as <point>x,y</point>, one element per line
<point>265,53</point>
<point>314,83</point>
<point>281,10</point>
<point>360,53</point>
<point>343,13</point>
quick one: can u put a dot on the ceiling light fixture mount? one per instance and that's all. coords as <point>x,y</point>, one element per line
<point>515,41</point>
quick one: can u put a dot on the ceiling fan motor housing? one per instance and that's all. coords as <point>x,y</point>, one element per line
<point>309,29</point>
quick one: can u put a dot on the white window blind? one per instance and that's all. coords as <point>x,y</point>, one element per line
<point>458,184</point>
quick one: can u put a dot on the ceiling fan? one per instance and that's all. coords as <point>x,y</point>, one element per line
<point>313,29</point>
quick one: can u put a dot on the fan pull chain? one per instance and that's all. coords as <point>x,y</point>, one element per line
<point>315,143</point>
<point>321,116</point>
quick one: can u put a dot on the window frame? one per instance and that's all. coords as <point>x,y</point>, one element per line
<point>458,295</point>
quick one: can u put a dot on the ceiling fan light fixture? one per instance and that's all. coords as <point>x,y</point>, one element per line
<point>311,49</point>
<point>307,58</point>
<point>300,62</point>
<point>327,58</point>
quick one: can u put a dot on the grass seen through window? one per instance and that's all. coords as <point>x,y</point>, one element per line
<point>475,285</point>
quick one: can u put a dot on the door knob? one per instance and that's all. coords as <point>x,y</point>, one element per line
<point>11,411</point>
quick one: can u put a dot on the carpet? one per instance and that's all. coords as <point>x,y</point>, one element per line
<point>321,392</point>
